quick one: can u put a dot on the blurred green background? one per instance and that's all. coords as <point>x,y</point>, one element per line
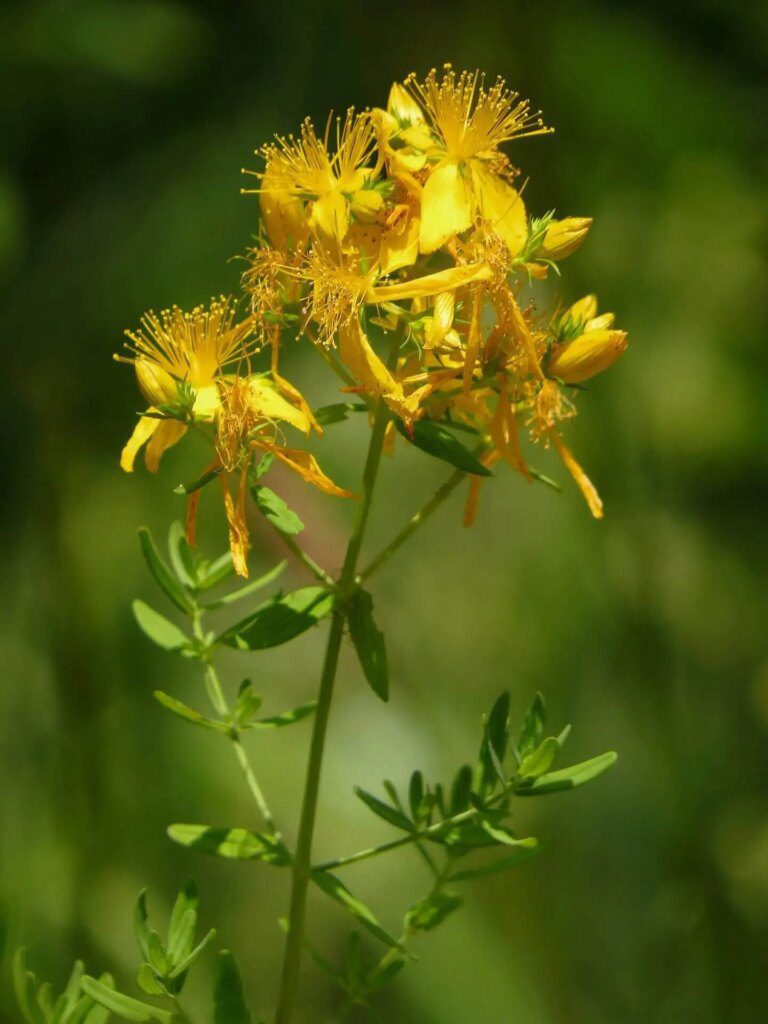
<point>124,128</point>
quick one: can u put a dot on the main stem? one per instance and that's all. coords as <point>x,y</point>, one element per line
<point>303,857</point>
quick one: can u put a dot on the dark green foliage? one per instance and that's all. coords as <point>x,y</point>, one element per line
<point>369,642</point>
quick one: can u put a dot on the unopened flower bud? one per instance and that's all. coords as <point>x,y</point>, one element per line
<point>583,310</point>
<point>586,356</point>
<point>155,383</point>
<point>403,106</point>
<point>367,204</point>
<point>564,237</point>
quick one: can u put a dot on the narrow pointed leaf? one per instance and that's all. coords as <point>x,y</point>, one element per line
<point>285,718</point>
<point>389,814</point>
<point>521,854</point>
<point>568,778</point>
<point>228,998</point>
<point>187,713</point>
<point>279,620</point>
<point>124,1006</point>
<point>248,589</point>
<point>273,508</point>
<point>159,629</point>
<point>432,911</point>
<point>505,837</point>
<point>216,572</point>
<point>163,575</point>
<point>190,958</point>
<point>369,643</point>
<point>336,889</point>
<point>181,931</point>
<point>232,843</point>
<point>438,441</point>
<point>147,981</point>
<point>185,561</point>
<point>532,731</point>
<point>141,924</point>
<point>24,985</point>
<point>336,413</point>
<point>540,760</point>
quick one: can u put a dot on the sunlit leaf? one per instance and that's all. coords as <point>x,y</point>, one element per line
<point>233,843</point>
<point>274,509</point>
<point>520,855</point>
<point>124,1006</point>
<point>185,561</point>
<point>369,643</point>
<point>285,718</point>
<point>248,589</point>
<point>568,778</point>
<point>159,629</point>
<point>532,730</point>
<point>540,760</point>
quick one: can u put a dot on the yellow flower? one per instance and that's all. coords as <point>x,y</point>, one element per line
<point>563,237</point>
<point>467,177</point>
<point>590,343</point>
<point>179,358</point>
<point>304,170</point>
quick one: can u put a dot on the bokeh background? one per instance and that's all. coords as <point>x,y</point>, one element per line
<point>124,127</point>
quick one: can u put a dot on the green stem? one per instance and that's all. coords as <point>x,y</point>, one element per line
<point>302,869</point>
<point>414,523</point>
<point>306,560</point>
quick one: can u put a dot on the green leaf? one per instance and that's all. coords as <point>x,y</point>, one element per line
<point>279,620</point>
<point>187,713</point>
<point>335,888</point>
<point>216,572</point>
<point>369,643</point>
<point>248,589</point>
<point>264,464</point>
<point>232,843</point>
<point>438,441</point>
<point>416,795</point>
<point>389,814</point>
<point>96,1014</point>
<point>521,854</point>
<point>532,731</point>
<point>159,630</point>
<point>228,999</point>
<point>123,1006</point>
<point>147,981</point>
<point>157,954</point>
<point>274,509</point>
<point>432,911</point>
<point>163,575</point>
<point>181,931</point>
<point>185,561</point>
<point>336,413</point>
<point>286,718</point>
<point>141,924</point>
<point>248,704</point>
<point>494,746</point>
<point>71,993</point>
<point>501,834</point>
<point>188,960</point>
<point>540,760</point>
<point>568,778</point>
<point>460,790</point>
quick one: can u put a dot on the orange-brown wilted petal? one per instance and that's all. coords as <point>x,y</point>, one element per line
<point>307,466</point>
<point>585,485</point>
<point>239,537</point>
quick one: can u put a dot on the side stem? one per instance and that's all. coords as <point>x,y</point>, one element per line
<point>302,870</point>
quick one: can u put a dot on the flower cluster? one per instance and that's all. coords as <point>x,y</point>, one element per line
<point>398,229</point>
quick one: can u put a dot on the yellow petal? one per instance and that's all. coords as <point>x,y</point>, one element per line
<point>267,402</point>
<point>430,284</point>
<point>207,402</point>
<point>399,247</point>
<point>142,432</point>
<point>293,395</point>
<point>371,373</point>
<point>446,209</point>
<point>330,216</point>
<point>500,205</point>
<point>599,323</point>
<point>587,355</point>
<point>441,322</point>
<point>166,435</point>
<point>282,213</point>
<point>306,465</point>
